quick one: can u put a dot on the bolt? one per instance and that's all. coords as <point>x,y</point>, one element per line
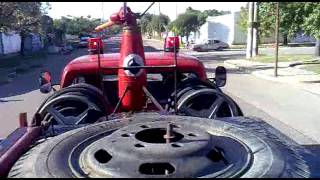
<point>169,135</point>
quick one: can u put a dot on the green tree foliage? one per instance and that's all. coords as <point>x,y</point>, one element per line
<point>145,22</point>
<point>76,25</point>
<point>22,16</point>
<point>291,18</point>
<point>202,16</point>
<point>154,23</point>
<point>115,29</point>
<point>311,18</point>
<point>185,24</point>
<point>192,20</point>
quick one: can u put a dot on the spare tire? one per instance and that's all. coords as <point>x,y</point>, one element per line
<point>274,155</point>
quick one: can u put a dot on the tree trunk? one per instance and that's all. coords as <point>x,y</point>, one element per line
<point>187,38</point>
<point>285,39</point>
<point>22,35</point>
<point>317,48</point>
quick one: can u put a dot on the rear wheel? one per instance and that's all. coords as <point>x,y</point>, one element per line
<point>76,104</point>
<point>230,147</point>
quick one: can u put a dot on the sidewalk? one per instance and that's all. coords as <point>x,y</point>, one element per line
<point>304,79</point>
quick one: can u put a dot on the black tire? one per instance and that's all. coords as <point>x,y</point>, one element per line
<point>50,159</point>
<point>84,89</point>
<point>192,83</point>
<point>73,108</point>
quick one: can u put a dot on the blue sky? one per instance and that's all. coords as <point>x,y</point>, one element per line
<point>105,9</point>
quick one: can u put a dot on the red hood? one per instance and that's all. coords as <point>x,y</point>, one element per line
<point>150,56</point>
<point>87,64</point>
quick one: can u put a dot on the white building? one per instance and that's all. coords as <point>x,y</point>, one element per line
<point>226,28</point>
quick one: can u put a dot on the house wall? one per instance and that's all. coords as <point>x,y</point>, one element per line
<point>32,43</point>
<point>203,33</point>
<point>11,42</point>
<point>301,38</point>
<point>226,29</point>
<point>221,28</point>
<point>1,46</point>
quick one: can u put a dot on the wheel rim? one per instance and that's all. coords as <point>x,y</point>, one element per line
<point>207,103</point>
<point>194,153</point>
<point>52,110</point>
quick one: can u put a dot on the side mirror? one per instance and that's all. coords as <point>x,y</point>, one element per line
<point>45,82</point>
<point>221,76</point>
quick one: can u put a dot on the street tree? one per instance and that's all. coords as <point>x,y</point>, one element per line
<point>145,22</point>
<point>24,17</point>
<point>202,16</point>
<point>150,23</point>
<point>185,24</point>
<point>159,23</point>
<point>291,19</point>
<point>76,25</point>
<point>196,23</point>
<point>311,25</point>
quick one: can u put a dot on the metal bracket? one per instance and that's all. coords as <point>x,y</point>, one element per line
<point>155,102</point>
<point>119,102</point>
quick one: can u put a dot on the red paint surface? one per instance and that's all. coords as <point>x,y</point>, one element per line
<point>15,145</point>
<point>88,65</point>
<point>134,98</point>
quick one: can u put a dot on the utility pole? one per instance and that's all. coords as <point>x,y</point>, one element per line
<point>250,31</point>
<point>277,41</point>
<point>102,20</point>
<point>255,39</point>
<point>159,22</point>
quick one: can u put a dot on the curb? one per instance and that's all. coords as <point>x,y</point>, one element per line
<point>301,84</point>
<point>230,65</point>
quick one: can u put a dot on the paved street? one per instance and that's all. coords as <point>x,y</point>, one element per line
<point>283,110</point>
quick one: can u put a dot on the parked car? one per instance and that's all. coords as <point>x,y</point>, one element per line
<point>210,44</point>
<point>83,42</point>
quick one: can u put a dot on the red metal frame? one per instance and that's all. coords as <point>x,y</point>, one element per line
<point>15,145</point>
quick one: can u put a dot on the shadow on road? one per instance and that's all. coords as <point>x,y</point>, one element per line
<point>28,82</point>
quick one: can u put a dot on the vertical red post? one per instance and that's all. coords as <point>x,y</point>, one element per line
<point>132,55</point>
